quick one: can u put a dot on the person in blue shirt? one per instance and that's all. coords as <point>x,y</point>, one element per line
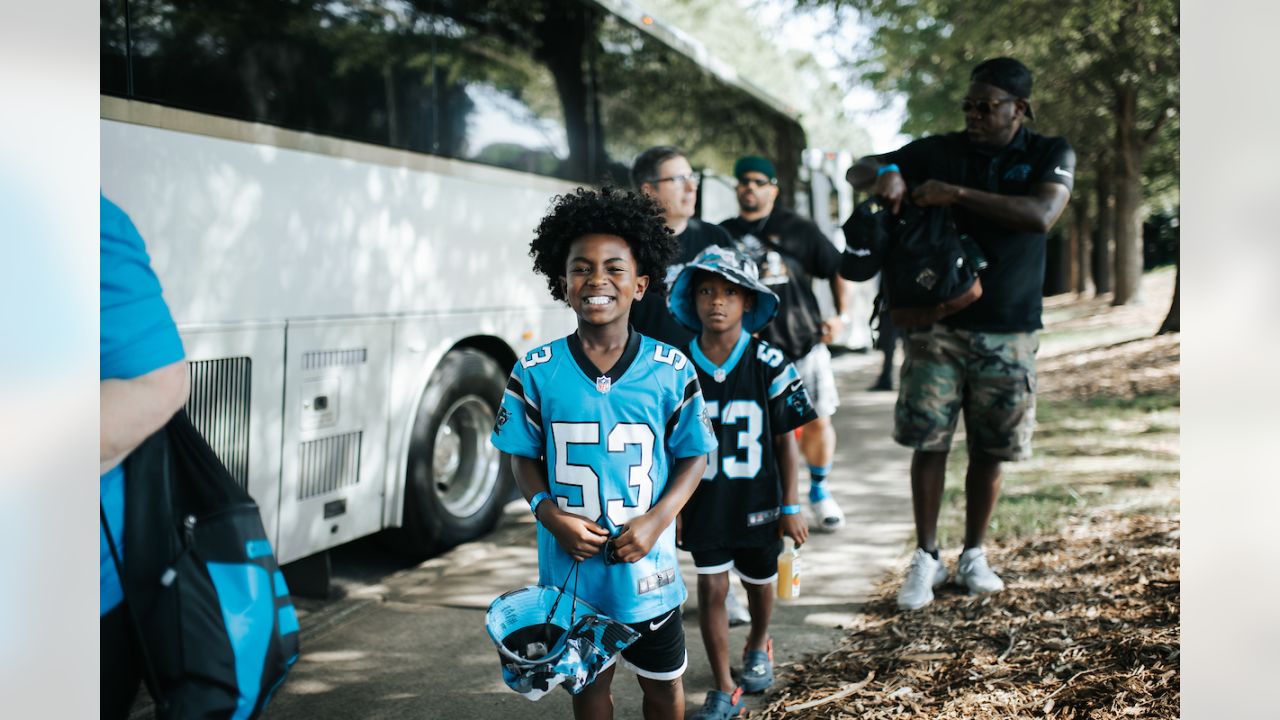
<point>142,383</point>
<point>748,499</point>
<point>608,434</point>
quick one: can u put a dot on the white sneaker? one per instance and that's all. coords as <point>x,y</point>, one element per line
<point>924,575</point>
<point>974,573</point>
<point>738,613</point>
<point>825,509</point>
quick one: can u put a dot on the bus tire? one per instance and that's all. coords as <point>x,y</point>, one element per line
<point>456,482</point>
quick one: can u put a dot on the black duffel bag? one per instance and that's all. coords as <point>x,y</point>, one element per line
<point>218,629</point>
<point>929,269</point>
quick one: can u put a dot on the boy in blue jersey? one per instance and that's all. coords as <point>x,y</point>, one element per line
<point>748,499</point>
<point>607,457</point>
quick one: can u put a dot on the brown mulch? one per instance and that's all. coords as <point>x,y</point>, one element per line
<point>1146,366</point>
<point>1088,627</point>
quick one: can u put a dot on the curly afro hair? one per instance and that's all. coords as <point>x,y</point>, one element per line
<point>635,218</point>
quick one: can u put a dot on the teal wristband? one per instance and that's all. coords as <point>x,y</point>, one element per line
<point>537,499</point>
<point>790,509</point>
<point>891,167</point>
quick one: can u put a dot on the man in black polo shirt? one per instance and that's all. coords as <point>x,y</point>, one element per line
<point>664,174</point>
<point>1007,186</point>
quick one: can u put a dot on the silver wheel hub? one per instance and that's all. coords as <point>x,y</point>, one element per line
<point>464,464</point>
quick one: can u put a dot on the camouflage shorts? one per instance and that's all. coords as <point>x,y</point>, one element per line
<point>990,377</point>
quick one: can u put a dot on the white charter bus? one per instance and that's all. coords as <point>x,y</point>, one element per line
<point>338,198</point>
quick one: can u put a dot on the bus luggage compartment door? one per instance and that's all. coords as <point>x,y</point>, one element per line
<point>334,451</point>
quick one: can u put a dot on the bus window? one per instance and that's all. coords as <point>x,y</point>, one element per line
<point>112,49</point>
<point>650,94</point>
<point>511,87</point>
<point>345,69</point>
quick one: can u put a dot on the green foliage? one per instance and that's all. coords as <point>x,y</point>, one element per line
<point>796,78</point>
<point>1086,55</point>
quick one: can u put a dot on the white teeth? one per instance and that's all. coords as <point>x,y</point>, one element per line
<point>599,300</point>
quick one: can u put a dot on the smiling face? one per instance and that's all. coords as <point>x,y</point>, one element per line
<point>993,115</point>
<point>601,279</point>
<point>720,302</point>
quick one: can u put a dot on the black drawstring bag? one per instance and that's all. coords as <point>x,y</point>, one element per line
<point>929,269</point>
<point>211,608</point>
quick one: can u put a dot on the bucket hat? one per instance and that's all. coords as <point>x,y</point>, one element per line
<point>735,267</point>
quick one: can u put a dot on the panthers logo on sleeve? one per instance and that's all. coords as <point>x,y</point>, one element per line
<point>798,401</point>
<point>503,417</point>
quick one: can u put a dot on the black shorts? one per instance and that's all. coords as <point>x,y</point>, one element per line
<point>756,565</point>
<point>659,654</point>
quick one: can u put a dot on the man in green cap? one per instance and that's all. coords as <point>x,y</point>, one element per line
<point>791,251</point>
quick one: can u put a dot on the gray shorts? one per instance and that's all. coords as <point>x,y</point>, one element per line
<point>815,371</point>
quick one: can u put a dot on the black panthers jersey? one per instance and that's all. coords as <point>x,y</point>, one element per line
<point>756,395</point>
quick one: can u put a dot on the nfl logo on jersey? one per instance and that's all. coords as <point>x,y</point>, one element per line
<point>603,383</point>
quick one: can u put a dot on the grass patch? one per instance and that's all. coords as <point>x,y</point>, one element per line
<point>1100,452</point>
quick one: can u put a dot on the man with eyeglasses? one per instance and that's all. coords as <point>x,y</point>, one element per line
<point>664,174</point>
<point>1006,186</point>
<point>791,251</point>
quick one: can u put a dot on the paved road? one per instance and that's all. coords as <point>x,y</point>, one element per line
<point>412,644</point>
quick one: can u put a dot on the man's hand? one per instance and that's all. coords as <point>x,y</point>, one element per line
<point>936,192</point>
<point>891,188</point>
<point>831,328</point>
<point>679,528</point>
<point>794,527</point>
<point>637,540</point>
<point>577,535</point>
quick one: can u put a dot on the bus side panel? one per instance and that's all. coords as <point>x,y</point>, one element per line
<point>335,438</point>
<point>236,376</point>
<point>240,231</point>
<point>419,345</point>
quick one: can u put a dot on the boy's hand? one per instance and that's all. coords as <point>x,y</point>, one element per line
<point>577,535</point>
<point>637,540</point>
<point>793,527</point>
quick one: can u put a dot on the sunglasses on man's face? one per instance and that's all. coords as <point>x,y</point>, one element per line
<point>984,107</point>
<point>755,182</point>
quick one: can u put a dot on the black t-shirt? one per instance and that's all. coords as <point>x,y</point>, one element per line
<point>790,251</point>
<point>650,315</point>
<point>1013,282</point>
<point>758,396</point>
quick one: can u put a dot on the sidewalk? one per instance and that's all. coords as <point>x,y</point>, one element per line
<point>414,646</point>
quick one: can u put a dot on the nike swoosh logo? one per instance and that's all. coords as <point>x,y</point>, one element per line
<point>654,625</point>
<point>1061,172</point>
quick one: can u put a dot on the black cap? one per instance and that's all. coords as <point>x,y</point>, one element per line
<point>1008,75</point>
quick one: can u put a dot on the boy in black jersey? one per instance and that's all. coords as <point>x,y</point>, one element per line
<point>747,499</point>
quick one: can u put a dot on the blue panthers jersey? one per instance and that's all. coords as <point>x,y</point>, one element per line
<point>609,441</point>
<point>755,396</point>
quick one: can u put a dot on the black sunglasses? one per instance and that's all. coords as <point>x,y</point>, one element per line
<point>756,182</point>
<point>984,107</point>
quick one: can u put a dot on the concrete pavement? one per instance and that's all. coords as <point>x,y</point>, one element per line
<point>413,645</point>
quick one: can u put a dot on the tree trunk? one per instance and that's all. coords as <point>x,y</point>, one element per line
<point>1084,247</point>
<point>1170,323</point>
<point>1128,189</point>
<point>1106,231</point>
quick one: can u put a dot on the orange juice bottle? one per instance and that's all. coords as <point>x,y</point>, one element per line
<point>789,571</point>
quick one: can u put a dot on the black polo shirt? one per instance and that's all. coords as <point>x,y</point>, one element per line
<point>650,316</point>
<point>1013,282</point>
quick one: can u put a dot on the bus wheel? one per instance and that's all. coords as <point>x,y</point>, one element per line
<point>456,484</point>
